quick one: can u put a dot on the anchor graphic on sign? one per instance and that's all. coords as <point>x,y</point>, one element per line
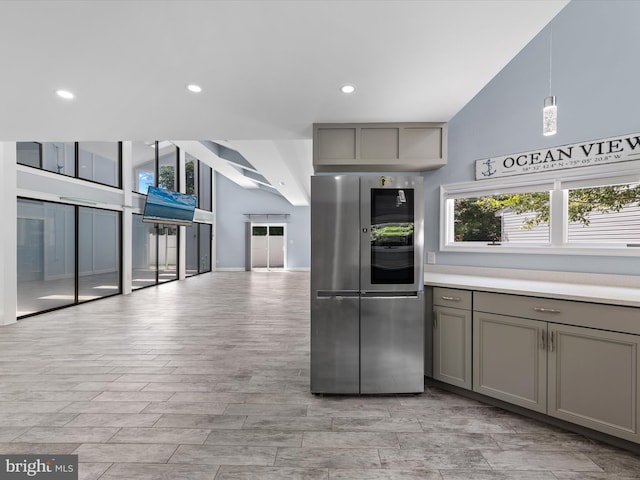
<point>489,171</point>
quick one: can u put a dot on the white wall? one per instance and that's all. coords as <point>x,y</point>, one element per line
<point>232,202</point>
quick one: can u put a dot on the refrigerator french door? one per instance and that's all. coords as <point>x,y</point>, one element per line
<point>367,303</point>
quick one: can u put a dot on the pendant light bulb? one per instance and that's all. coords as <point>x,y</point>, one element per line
<point>550,116</point>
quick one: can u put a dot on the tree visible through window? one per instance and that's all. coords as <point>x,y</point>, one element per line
<point>492,218</point>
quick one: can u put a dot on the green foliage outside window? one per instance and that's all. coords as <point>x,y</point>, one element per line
<point>189,171</point>
<point>166,177</point>
<point>478,219</point>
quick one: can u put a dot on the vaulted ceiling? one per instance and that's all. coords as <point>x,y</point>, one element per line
<point>268,70</point>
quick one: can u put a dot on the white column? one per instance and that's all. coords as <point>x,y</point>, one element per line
<point>182,187</point>
<point>127,218</point>
<point>8,242</point>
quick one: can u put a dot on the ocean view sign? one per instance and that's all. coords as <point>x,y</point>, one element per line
<point>597,152</point>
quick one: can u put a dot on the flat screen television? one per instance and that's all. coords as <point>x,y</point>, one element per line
<point>172,208</point>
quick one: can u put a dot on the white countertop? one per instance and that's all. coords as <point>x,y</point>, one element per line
<point>608,289</point>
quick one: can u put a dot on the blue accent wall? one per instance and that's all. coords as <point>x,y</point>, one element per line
<point>595,76</point>
<point>233,201</point>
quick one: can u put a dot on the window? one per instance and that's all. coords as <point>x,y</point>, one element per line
<point>205,239</point>
<point>29,154</point>
<point>204,187</point>
<point>144,166</point>
<point>94,161</point>
<point>154,253</point>
<point>604,215</point>
<point>198,181</point>
<point>198,249</point>
<point>190,166</point>
<point>45,257</point>
<point>597,209</point>
<point>518,217</point>
<point>167,253</point>
<point>167,166</point>
<point>144,253</point>
<point>98,253</point>
<point>59,157</point>
<point>155,164</point>
<point>100,162</point>
<point>67,254</point>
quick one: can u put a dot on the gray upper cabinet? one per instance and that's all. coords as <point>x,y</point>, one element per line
<point>375,147</point>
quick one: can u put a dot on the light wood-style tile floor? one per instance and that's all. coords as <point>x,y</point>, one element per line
<point>208,378</point>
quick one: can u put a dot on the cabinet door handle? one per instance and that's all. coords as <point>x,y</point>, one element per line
<point>546,310</point>
<point>435,322</point>
<point>543,340</point>
<point>453,299</point>
<point>551,346</point>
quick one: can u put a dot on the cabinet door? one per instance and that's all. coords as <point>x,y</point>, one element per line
<point>510,359</point>
<point>593,379</point>
<point>452,346</point>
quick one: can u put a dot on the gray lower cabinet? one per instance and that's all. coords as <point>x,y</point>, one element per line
<point>452,336</point>
<point>510,359</point>
<point>593,379</point>
<point>452,346</point>
<point>576,361</point>
<point>560,361</point>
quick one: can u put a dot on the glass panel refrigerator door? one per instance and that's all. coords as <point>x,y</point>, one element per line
<point>392,245</point>
<point>392,237</point>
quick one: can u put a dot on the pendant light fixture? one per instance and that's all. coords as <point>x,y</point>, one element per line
<point>550,109</point>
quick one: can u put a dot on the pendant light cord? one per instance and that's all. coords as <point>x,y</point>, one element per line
<point>550,56</point>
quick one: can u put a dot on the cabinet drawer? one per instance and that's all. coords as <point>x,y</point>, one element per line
<point>583,314</point>
<point>452,297</point>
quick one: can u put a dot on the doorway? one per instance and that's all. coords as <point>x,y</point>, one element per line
<point>268,246</point>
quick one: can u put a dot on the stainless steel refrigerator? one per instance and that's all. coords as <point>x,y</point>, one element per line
<point>367,287</point>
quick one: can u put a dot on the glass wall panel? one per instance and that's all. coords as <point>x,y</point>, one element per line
<point>191,174</point>
<point>198,248</point>
<point>45,256</point>
<point>144,253</point>
<point>204,187</point>
<point>59,157</point>
<point>29,153</point>
<point>98,253</point>
<point>167,253</point>
<point>100,162</point>
<point>167,166</point>
<point>205,247</point>
<point>144,166</point>
<point>191,249</point>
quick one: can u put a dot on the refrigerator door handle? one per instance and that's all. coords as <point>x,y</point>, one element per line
<point>336,294</point>
<point>390,294</point>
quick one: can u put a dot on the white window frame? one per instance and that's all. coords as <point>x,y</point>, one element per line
<point>558,183</point>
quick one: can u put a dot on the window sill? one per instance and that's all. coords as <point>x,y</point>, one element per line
<point>613,251</point>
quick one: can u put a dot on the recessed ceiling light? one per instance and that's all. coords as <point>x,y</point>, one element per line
<point>66,94</point>
<point>347,89</point>
<point>192,87</point>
